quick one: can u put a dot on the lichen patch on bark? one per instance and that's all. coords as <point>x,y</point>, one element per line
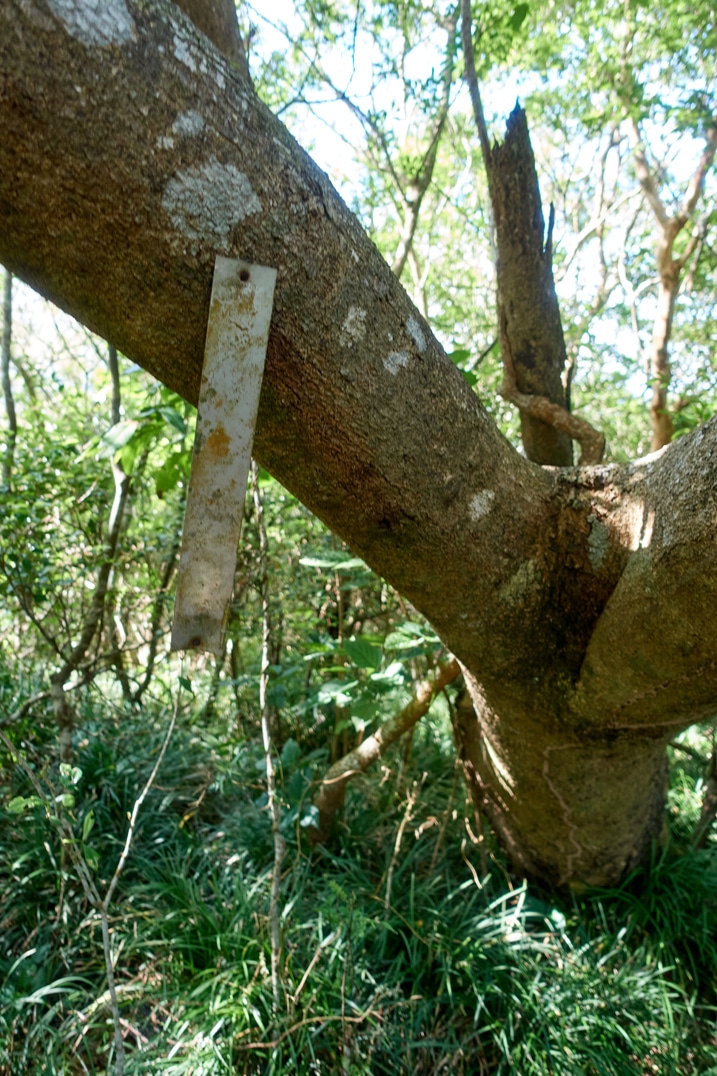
<point>102,24</point>
<point>395,361</point>
<point>416,334</point>
<point>207,201</point>
<point>354,327</point>
<point>188,124</point>
<point>481,504</point>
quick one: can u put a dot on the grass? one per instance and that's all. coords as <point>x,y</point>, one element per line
<point>451,976</point>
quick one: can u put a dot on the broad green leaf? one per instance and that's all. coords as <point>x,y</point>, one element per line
<point>92,857</point>
<point>18,804</point>
<point>519,16</point>
<point>88,824</point>
<point>119,434</point>
<point>363,653</point>
<point>290,752</point>
<point>336,691</point>
<point>174,418</point>
<point>337,564</point>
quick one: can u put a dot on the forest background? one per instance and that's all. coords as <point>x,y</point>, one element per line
<point>231,941</point>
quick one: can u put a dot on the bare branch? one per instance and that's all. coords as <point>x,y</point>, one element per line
<point>644,174</point>
<point>137,805</point>
<point>273,804</point>
<point>422,179</point>
<point>472,78</point>
<point>697,182</point>
<point>24,708</point>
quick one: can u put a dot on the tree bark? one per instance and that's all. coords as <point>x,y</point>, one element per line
<point>529,325</point>
<point>132,154</point>
<point>218,20</point>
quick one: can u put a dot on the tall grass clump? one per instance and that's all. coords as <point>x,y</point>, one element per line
<point>418,955</point>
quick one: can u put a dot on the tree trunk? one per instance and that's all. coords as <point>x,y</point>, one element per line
<point>579,600</point>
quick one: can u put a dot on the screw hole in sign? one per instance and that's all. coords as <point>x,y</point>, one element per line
<point>244,275</point>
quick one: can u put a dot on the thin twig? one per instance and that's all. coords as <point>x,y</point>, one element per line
<point>137,805</point>
<point>9,454</point>
<point>25,707</point>
<point>313,962</point>
<point>591,441</point>
<point>411,798</point>
<point>444,823</point>
<point>273,802</point>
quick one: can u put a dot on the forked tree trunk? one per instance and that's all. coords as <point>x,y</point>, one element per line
<point>580,600</point>
<point>569,806</point>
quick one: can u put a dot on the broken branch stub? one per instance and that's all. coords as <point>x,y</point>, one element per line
<point>235,350</point>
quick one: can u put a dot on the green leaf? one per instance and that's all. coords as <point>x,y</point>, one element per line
<point>69,773</point>
<point>171,473</point>
<point>338,565</point>
<point>290,752</point>
<point>18,804</point>
<point>519,16</point>
<point>410,635</point>
<point>394,674</point>
<point>186,684</point>
<point>88,824</point>
<point>174,418</point>
<point>119,434</point>
<point>362,653</point>
<point>92,858</point>
<point>336,691</point>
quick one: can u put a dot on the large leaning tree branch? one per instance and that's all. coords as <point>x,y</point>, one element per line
<point>132,154</point>
<point>117,213</point>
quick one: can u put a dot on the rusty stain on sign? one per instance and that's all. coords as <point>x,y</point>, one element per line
<point>237,335</point>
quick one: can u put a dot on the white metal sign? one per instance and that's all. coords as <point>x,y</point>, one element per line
<point>237,335</point>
